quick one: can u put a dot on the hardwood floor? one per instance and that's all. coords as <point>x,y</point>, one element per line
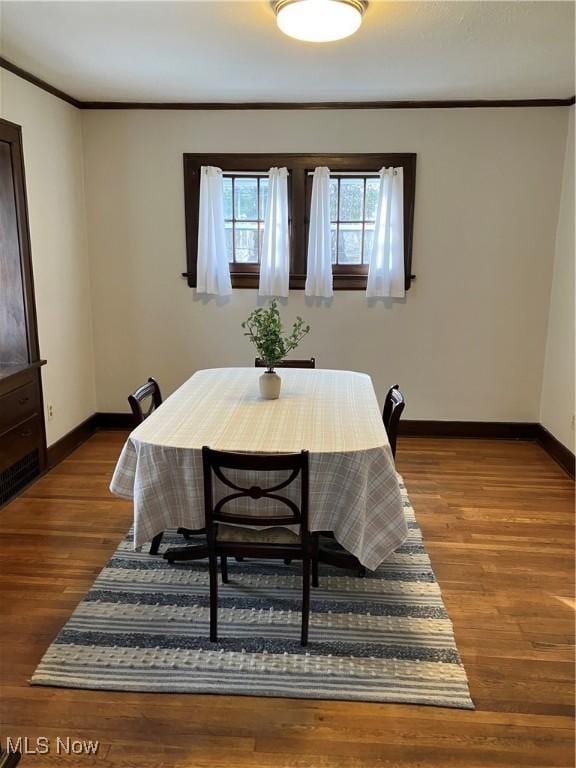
<point>497,519</point>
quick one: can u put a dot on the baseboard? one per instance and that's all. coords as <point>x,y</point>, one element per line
<point>557,450</point>
<point>495,430</point>
<point>113,421</point>
<point>507,430</point>
<point>492,430</point>
<point>62,448</point>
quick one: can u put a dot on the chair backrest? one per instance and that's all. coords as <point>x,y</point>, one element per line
<point>393,406</point>
<point>296,463</point>
<point>387,410</point>
<point>151,391</point>
<point>311,363</point>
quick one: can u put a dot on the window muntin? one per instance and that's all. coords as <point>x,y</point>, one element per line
<point>244,210</point>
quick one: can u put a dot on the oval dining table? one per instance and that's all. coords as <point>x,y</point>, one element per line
<point>354,487</point>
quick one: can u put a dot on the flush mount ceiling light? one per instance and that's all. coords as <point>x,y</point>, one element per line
<point>319,21</point>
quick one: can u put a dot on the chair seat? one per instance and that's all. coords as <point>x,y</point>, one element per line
<point>277,535</point>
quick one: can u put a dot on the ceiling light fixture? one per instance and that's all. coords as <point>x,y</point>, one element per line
<point>319,21</point>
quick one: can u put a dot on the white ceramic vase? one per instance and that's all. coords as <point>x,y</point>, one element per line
<point>270,384</point>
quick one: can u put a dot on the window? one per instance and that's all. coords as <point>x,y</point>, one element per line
<point>354,185</point>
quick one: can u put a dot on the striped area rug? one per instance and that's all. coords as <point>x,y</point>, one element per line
<point>144,627</point>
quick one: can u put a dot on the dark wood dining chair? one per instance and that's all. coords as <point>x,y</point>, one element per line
<point>394,404</point>
<point>144,401</point>
<point>309,363</point>
<point>150,392</point>
<point>226,538</point>
<point>330,551</point>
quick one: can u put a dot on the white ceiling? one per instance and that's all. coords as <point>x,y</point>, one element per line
<point>214,50</point>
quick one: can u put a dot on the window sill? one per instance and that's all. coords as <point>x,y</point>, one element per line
<point>297,282</point>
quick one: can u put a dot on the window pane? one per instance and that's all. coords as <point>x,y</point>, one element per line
<point>227,198</point>
<point>351,199</point>
<point>246,199</point>
<point>333,199</point>
<point>372,191</point>
<point>246,240</point>
<point>229,235</point>
<point>263,197</point>
<point>350,244</point>
<point>368,240</point>
<point>333,241</point>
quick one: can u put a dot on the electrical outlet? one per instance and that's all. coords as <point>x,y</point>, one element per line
<point>573,420</point>
<point>50,411</point>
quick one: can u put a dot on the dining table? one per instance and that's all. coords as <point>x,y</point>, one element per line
<point>333,414</point>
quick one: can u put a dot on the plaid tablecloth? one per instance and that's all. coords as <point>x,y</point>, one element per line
<point>354,490</point>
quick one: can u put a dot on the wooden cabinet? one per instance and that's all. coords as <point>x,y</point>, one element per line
<point>22,432</point>
<point>19,403</point>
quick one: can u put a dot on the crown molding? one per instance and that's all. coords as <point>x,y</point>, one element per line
<point>10,67</point>
<point>309,105</point>
<point>285,105</point>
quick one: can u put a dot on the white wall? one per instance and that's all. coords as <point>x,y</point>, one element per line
<point>557,407</point>
<point>53,158</point>
<point>467,343</point>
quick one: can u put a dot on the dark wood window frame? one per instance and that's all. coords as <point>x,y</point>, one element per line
<point>346,277</point>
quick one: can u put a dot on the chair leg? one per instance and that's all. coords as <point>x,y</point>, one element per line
<point>224,569</point>
<point>361,571</point>
<point>315,577</point>
<point>239,559</point>
<point>315,574</point>
<point>287,561</point>
<point>213,597</point>
<point>155,546</point>
<point>305,600</point>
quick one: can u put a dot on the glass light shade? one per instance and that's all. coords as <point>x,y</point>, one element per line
<point>319,21</point>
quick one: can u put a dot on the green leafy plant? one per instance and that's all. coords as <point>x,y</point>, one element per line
<point>264,329</point>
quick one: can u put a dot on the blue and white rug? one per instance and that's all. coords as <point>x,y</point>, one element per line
<point>144,627</point>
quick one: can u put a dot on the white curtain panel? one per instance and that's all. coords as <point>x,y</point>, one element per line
<point>275,255</point>
<point>319,269</point>
<point>386,270</point>
<point>213,270</point>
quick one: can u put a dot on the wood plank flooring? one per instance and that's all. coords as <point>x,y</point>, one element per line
<point>497,519</point>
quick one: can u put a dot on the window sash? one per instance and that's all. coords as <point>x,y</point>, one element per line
<point>362,221</point>
<point>237,222</point>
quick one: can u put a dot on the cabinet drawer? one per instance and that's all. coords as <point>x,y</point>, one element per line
<point>18,405</point>
<point>19,441</point>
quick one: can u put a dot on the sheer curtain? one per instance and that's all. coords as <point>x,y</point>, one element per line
<point>213,271</point>
<point>319,269</point>
<point>386,270</point>
<point>275,254</point>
